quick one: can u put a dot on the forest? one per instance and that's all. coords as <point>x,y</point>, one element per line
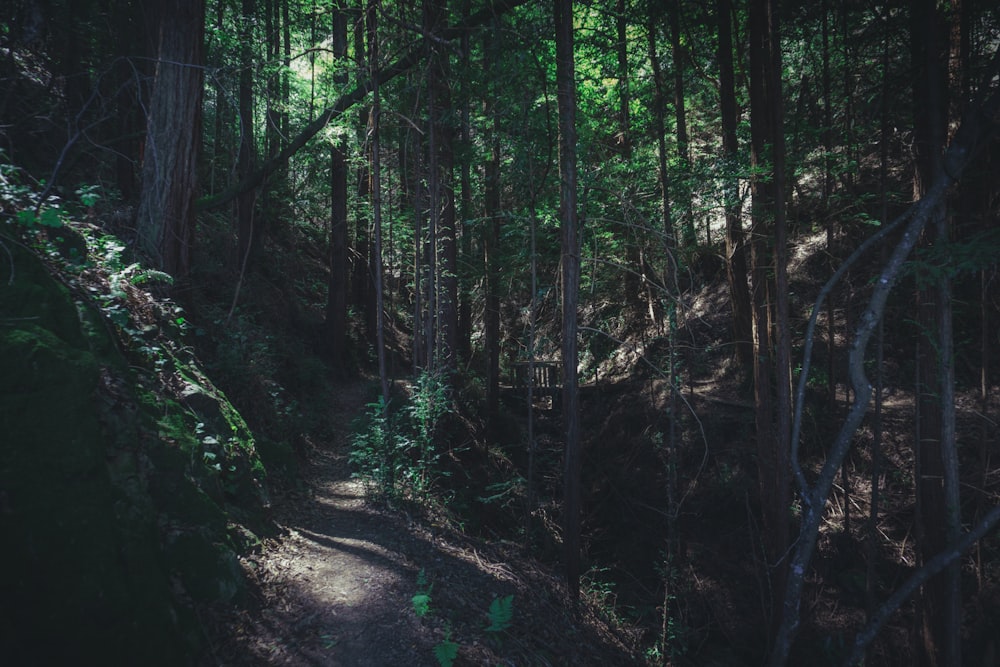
<point>649,332</point>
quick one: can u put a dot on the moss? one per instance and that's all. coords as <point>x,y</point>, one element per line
<point>116,496</point>
<point>75,573</point>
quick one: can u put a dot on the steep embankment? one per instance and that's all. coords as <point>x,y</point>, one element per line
<point>127,482</point>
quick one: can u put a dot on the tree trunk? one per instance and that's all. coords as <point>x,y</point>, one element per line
<point>680,117</point>
<point>939,632</point>
<point>491,243</point>
<point>566,95</point>
<point>247,156</point>
<point>770,305</point>
<point>633,253</point>
<point>443,191</point>
<point>166,216</point>
<point>376,192</point>
<point>362,296</point>
<point>336,306</point>
<point>736,255</point>
<point>466,276</point>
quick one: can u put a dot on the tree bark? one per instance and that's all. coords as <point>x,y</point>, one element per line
<point>362,295</point>
<point>376,194</point>
<point>442,160</point>
<point>680,118</point>
<point>633,244</point>
<point>736,255</point>
<point>939,633</point>
<point>336,306</point>
<point>166,217</point>
<point>247,156</point>
<point>466,276</point>
<point>491,244</point>
<point>771,337</point>
<point>566,95</point>
<point>659,128</point>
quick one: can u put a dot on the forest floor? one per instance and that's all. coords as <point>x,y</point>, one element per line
<point>337,586</point>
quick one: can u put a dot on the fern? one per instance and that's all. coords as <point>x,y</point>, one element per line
<point>422,600</point>
<point>446,650</point>
<point>501,613</point>
<point>421,604</point>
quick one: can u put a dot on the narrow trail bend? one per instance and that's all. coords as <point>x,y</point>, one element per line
<point>336,588</point>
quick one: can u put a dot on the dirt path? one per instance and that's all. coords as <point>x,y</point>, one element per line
<point>336,588</point>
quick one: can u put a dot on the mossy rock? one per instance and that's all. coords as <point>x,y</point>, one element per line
<point>77,582</point>
<point>100,517</point>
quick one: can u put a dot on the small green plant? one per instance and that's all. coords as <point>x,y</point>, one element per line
<point>374,451</point>
<point>429,402</point>
<point>501,613</point>
<point>422,600</point>
<point>395,452</point>
<point>446,651</point>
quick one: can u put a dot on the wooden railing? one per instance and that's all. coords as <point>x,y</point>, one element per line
<point>544,377</point>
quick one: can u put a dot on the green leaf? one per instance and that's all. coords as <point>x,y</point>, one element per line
<point>501,613</point>
<point>421,604</point>
<point>26,218</point>
<point>50,218</point>
<point>446,651</point>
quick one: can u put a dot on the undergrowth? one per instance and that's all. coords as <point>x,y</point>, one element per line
<point>394,448</point>
<point>499,616</point>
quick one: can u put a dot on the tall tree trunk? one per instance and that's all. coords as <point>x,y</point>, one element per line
<point>937,468</point>
<point>336,306</point>
<point>491,242</point>
<point>875,502</point>
<point>286,62</point>
<point>443,191</point>
<point>465,213</point>
<point>566,95</point>
<point>433,180</point>
<point>770,298</point>
<point>633,252</point>
<point>680,118</point>
<point>247,156</point>
<point>736,254</point>
<point>166,216</point>
<point>831,383</point>
<point>660,129</point>
<point>376,192</point>
<point>362,296</point>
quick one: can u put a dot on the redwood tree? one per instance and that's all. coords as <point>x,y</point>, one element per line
<point>165,222</point>
<point>566,92</point>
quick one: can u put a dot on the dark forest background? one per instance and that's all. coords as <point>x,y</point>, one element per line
<point>696,299</point>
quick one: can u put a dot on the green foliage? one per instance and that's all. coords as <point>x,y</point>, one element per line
<point>954,258</point>
<point>501,613</point>
<point>428,404</point>
<point>446,651</point>
<point>422,599</point>
<point>46,217</point>
<point>375,451</point>
<point>395,452</point>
